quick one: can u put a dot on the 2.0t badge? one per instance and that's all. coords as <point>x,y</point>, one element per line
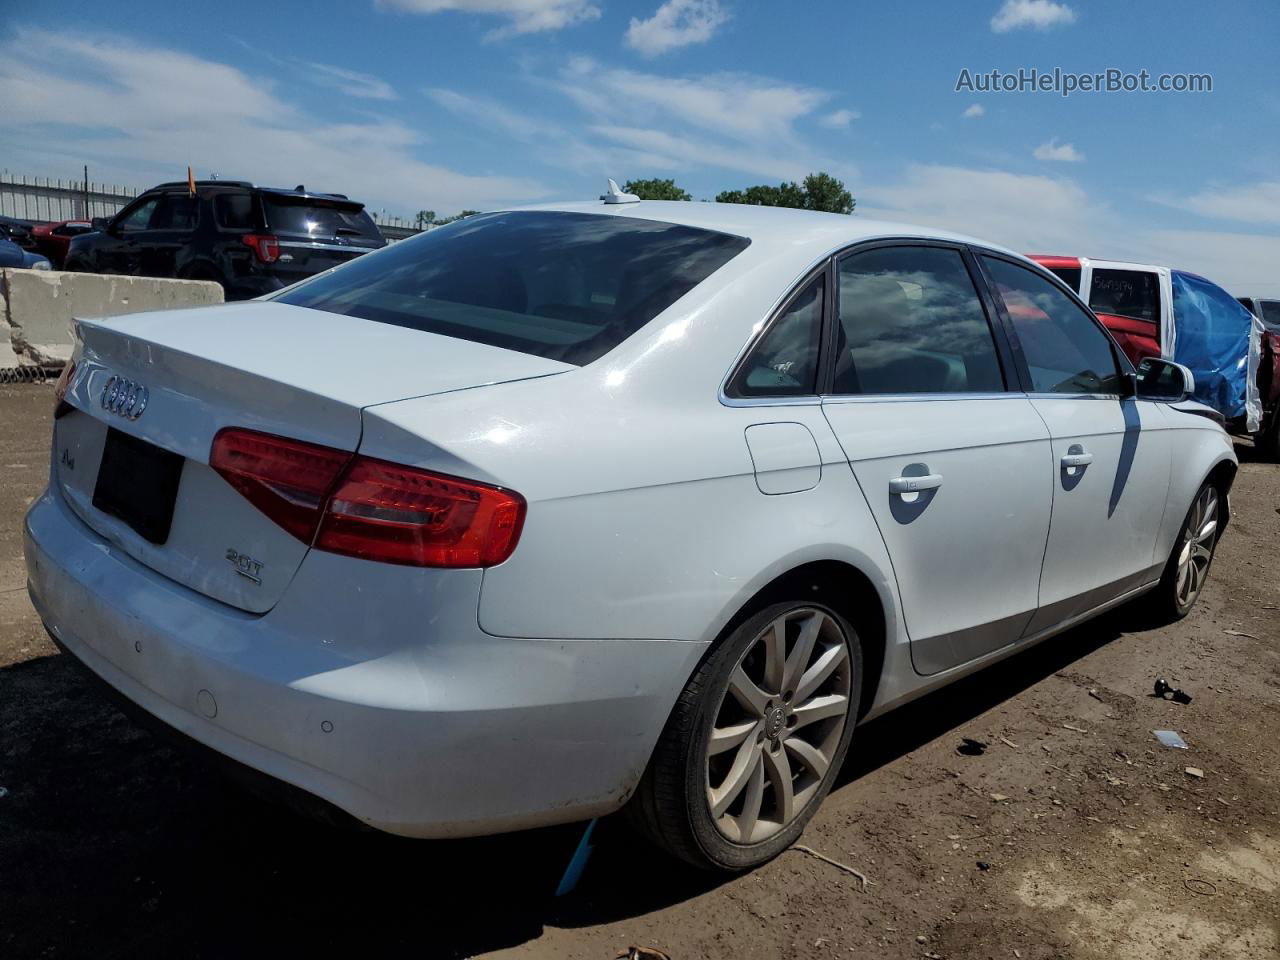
<point>245,565</point>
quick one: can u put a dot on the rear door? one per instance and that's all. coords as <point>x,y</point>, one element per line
<point>951,462</point>
<point>1111,452</point>
<point>316,233</point>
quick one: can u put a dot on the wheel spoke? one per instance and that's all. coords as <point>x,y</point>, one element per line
<point>1201,552</point>
<point>746,692</point>
<point>1207,531</point>
<point>803,650</point>
<point>726,738</point>
<point>809,755</point>
<point>751,802</point>
<point>775,646</point>
<point>779,769</point>
<point>820,708</point>
<point>747,758</point>
<point>822,668</point>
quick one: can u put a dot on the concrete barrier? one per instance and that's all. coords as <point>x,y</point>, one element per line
<point>38,306</point>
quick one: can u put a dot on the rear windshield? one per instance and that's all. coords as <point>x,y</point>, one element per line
<point>1068,275</point>
<point>1270,313</point>
<point>1126,293</point>
<point>322,221</point>
<point>567,286</point>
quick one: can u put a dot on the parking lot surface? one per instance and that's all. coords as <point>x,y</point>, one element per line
<point>1073,833</point>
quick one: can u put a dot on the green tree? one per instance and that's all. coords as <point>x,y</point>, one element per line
<point>425,217</point>
<point>824,192</point>
<point>656,189</point>
<point>465,213</point>
<point>820,191</point>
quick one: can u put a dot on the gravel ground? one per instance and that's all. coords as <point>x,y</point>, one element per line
<point>1074,835</point>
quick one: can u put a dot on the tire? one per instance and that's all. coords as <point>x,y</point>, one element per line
<point>740,690</point>
<point>1175,595</point>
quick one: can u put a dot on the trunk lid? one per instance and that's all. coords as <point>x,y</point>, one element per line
<point>277,368</point>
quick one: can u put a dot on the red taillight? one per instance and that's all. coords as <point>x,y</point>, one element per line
<point>265,246</point>
<point>287,480</point>
<point>371,509</point>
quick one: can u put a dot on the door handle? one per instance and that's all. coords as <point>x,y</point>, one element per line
<point>930,481</point>
<point>1077,459</point>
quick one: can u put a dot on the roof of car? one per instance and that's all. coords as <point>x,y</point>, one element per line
<point>771,225</point>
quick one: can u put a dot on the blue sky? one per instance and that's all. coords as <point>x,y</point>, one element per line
<point>446,104</point>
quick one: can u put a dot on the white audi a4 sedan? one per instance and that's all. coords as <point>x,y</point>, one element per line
<point>561,510</point>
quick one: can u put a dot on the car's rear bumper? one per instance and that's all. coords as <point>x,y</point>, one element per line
<point>404,714</point>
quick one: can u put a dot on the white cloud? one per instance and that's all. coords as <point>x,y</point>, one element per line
<point>1248,203</point>
<point>487,112</point>
<point>523,16</point>
<point>974,110</point>
<point>677,23</point>
<point>839,119</point>
<point>1243,263</point>
<point>350,82</point>
<point>732,121</point>
<point>1060,153</point>
<point>137,114</point>
<point>1036,14</point>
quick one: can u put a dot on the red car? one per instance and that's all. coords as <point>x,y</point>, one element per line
<point>52,239</point>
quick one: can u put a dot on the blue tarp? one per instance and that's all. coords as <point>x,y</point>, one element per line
<point>1213,337</point>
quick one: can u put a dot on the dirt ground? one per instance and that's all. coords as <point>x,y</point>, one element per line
<point>1074,835</point>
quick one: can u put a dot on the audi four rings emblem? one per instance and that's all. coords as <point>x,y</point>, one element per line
<point>125,398</point>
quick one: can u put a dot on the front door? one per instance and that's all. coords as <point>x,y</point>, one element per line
<point>117,250</point>
<point>950,462</point>
<point>1111,452</point>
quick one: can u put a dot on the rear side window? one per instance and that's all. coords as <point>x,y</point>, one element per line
<point>176,212</point>
<point>910,321</point>
<point>784,363</point>
<point>567,286</point>
<point>1066,350</point>
<point>1126,293</point>
<point>319,220</point>
<point>234,211</point>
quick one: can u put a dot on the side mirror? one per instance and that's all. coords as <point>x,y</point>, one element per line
<point>1164,380</point>
<point>100,223</point>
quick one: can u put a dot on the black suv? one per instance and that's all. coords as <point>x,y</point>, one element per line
<point>252,240</point>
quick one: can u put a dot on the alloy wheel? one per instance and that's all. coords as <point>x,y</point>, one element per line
<point>778,725</point>
<point>1197,546</point>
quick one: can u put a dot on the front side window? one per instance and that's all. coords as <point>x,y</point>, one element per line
<point>139,218</point>
<point>910,321</point>
<point>1126,293</point>
<point>177,212</point>
<point>784,362</point>
<point>1065,348</point>
<point>567,286</point>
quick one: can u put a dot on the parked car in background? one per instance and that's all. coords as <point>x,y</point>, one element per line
<point>12,255</point>
<point>1155,311</point>
<point>1268,311</point>
<point>53,239</point>
<point>17,231</point>
<point>252,240</point>
<point>559,510</point>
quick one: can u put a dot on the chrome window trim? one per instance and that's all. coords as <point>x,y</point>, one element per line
<point>319,245</point>
<point>834,398</point>
<point>810,400</point>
